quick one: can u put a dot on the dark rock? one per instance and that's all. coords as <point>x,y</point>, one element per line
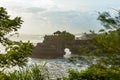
<point>52,47</point>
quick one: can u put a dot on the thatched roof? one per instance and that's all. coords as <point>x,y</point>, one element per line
<point>57,32</point>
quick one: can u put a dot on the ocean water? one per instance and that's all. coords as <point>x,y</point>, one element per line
<point>56,67</point>
<point>27,37</point>
<point>24,37</point>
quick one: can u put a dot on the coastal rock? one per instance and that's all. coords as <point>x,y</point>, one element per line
<point>51,47</point>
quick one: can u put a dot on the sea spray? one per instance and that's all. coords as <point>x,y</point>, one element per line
<point>67,53</point>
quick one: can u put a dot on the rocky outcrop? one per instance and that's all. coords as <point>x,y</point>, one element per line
<point>50,48</point>
<point>53,48</point>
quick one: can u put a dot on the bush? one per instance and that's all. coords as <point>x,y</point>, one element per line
<point>33,73</point>
<point>95,72</point>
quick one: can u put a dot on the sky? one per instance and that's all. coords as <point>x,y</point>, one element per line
<point>48,16</point>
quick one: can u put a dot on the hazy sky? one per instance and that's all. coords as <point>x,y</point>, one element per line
<point>48,16</point>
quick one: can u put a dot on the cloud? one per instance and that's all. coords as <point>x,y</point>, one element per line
<point>34,10</point>
<point>46,16</point>
<point>86,5</point>
<point>73,21</point>
<point>50,21</point>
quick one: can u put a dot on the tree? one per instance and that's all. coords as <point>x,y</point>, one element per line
<point>16,52</point>
<point>108,42</point>
<point>107,46</point>
<point>65,38</point>
<point>108,21</point>
<point>8,25</point>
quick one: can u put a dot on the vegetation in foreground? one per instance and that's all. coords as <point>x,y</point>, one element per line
<point>96,72</point>
<point>16,52</point>
<point>35,72</point>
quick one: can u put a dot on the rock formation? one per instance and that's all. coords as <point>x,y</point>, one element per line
<point>52,47</point>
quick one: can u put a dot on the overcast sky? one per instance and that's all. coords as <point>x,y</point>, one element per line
<point>48,16</point>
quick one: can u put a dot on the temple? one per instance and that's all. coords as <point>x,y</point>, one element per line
<point>51,47</point>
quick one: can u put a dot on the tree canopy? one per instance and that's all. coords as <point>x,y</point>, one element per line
<point>108,21</point>
<point>107,43</point>
<point>65,37</point>
<point>16,51</point>
<point>8,25</point>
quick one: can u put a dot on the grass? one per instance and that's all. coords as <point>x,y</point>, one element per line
<point>34,72</point>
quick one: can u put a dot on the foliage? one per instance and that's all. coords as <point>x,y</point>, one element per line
<point>3,76</point>
<point>107,48</point>
<point>108,21</point>
<point>96,72</point>
<point>107,42</point>
<point>83,50</point>
<point>65,38</point>
<point>35,72</point>
<point>16,52</point>
<point>8,25</point>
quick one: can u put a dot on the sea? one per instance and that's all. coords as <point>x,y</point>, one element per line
<point>56,67</point>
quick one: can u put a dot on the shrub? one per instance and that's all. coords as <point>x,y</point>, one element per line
<point>33,73</point>
<point>96,72</point>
